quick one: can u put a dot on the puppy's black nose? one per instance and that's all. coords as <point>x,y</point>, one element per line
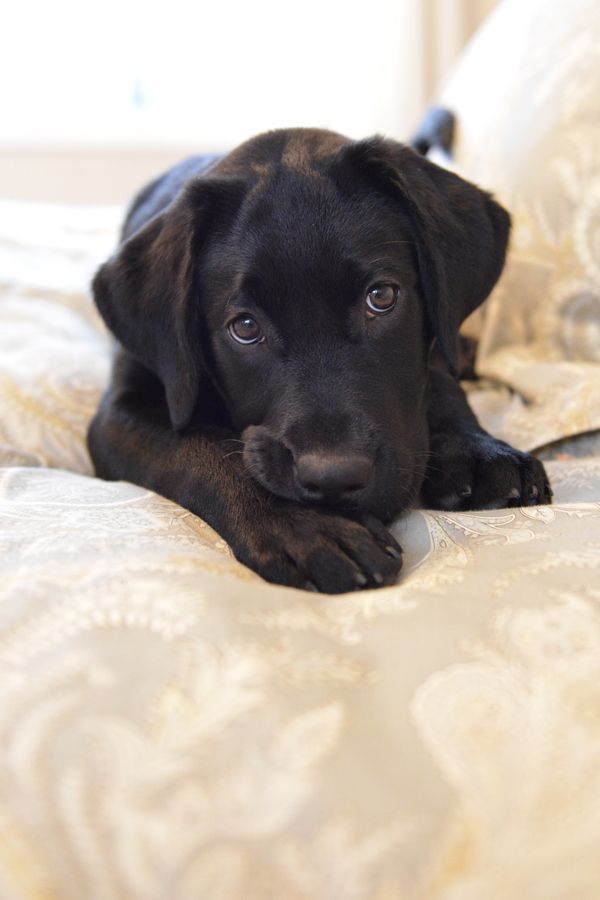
<point>327,477</point>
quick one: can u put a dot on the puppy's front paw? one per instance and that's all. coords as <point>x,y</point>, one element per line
<point>314,549</point>
<point>476,471</point>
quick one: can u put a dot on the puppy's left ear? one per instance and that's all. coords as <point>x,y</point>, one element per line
<point>460,232</point>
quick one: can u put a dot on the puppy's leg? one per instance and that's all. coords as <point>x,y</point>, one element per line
<point>468,468</point>
<point>285,542</point>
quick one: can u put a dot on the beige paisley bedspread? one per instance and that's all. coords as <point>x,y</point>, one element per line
<point>173,728</point>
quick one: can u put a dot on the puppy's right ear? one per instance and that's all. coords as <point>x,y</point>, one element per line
<point>147,293</point>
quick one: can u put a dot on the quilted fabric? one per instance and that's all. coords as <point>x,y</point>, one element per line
<point>173,727</point>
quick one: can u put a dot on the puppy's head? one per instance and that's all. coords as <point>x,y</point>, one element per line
<point>304,280</point>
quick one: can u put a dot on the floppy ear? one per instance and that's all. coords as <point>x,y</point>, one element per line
<point>461,233</point>
<point>147,292</point>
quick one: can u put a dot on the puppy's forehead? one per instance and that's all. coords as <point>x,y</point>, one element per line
<point>301,193</point>
<point>305,247</point>
<point>305,149</point>
<point>298,149</point>
<point>296,221</point>
<point>304,235</point>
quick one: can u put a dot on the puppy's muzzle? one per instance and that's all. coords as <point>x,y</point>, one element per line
<point>336,476</point>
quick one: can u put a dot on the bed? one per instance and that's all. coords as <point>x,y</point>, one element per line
<point>172,727</point>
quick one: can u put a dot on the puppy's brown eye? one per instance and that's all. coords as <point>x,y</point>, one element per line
<point>381,299</point>
<point>245,330</point>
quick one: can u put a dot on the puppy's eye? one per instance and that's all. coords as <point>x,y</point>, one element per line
<point>381,299</point>
<point>245,330</point>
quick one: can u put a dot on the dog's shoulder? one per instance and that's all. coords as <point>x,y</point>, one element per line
<point>160,192</point>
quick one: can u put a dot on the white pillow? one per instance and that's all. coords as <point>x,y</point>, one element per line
<point>527,98</point>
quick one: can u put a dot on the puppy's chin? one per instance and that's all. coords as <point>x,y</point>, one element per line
<point>271,463</point>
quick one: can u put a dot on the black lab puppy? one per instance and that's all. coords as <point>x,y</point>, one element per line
<point>287,318</point>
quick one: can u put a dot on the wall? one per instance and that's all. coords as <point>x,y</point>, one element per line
<point>103,95</point>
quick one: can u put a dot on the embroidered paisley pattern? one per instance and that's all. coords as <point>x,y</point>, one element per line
<point>173,728</point>
<point>532,138</point>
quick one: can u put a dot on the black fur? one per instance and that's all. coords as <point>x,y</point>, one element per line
<point>297,448</point>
